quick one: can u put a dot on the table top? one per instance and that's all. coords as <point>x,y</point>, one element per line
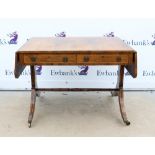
<point>74,44</point>
<point>74,50</point>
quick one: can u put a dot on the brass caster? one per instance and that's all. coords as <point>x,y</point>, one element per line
<point>127,123</point>
<point>38,94</point>
<point>29,125</point>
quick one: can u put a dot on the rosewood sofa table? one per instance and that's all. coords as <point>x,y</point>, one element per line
<point>76,51</point>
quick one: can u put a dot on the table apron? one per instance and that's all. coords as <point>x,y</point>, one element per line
<point>76,59</point>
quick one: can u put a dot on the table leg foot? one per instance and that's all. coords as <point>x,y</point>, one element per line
<point>127,122</point>
<point>29,125</point>
<point>32,107</point>
<point>38,93</point>
<point>122,107</point>
<point>30,119</point>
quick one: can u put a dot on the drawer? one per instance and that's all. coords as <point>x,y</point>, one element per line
<point>49,59</point>
<point>103,59</point>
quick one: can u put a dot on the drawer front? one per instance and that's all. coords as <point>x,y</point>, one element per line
<point>102,59</point>
<point>49,59</point>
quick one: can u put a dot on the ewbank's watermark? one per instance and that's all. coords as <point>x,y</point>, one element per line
<point>9,39</point>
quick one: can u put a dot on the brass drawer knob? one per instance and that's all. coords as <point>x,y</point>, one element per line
<point>65,59</point>
<point>86,59</point>
<point>33,59</point>
<point>118,59</point>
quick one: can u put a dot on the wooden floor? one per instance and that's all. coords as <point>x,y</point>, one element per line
<point>77,114</point>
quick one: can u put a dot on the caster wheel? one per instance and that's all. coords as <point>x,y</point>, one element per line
<point>29,125</point>
<point>38,94</point>
<point>127,123</point>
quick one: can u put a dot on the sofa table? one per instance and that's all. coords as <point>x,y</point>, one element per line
<point>76,51</point>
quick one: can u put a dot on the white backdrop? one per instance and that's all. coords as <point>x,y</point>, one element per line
<point>140,34</point>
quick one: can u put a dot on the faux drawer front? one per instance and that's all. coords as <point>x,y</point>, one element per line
<point>103,59</point>
<point>49,59</point>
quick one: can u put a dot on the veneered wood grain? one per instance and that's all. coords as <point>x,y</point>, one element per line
<point>75,44</point>
<point>73,50</point>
